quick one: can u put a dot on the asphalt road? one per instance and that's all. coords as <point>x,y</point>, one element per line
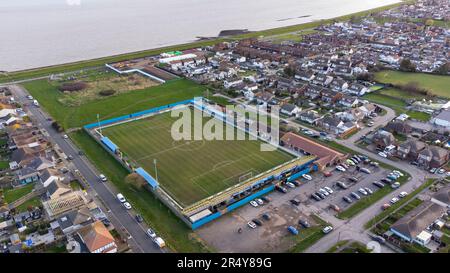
<point>121,218</point>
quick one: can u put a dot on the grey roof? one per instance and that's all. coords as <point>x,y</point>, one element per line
<point>418,219</point>
<point>288,107</point>
<point>443,195</point>
<point>444,115</point>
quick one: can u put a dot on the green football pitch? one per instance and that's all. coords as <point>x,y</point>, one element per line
<point>190,171</point>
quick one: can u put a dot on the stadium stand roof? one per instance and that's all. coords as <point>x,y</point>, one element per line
<point>113,147</point>
<point>150,180</point>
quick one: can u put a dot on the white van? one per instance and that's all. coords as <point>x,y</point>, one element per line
<point>36,103</point>
<point>121,198</point>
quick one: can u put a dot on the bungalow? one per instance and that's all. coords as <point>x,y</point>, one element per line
<point>233,83</point>
<point>56,189</point>
<point>329,96</point>
<point>263,97</point>
<point>41,163</point>
<point>304,75</point>
<point>443,119</point>
<point>313,92</point>
<point>338,84</point>
<point>331,124</point>
<point>343,71</point>
<point>47,176</point>
<point>399,127</point>
<point>73,220</point>
<point>289,109</point>
<point>322,80</point>
<point>348,101</point>
<point>357,89</point>
<point>27,175</point>
<point>433,157</point>
<point>310,117</point>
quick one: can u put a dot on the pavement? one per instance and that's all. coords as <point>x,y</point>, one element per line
<point>121,218</point>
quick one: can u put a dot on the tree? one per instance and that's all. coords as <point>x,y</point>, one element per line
<point>429,22</point>
<point>443,69</point>
<point>407,66</point>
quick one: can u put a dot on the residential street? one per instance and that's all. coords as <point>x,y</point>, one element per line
<point>122,219</point>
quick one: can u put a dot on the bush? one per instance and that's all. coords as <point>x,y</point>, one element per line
<point>135,180</point>
<point>72,86</point>
<point>57,127</point>
<point>108,92</point>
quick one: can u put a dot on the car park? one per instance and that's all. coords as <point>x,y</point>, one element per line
<point>307,176</point>
<point>127,205</point>
<point>254,203</point>
<point>395,185</point>
<point>327,229</point>
<point>355,195</point>
<point>347,199</point>
<point>251,224</point>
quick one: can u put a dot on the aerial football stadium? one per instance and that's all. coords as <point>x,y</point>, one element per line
<point>199,180</point>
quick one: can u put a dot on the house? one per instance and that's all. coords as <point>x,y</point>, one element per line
<point>56,189</point>
<point>410,226</point>
<point>27,175</point>
<point>73,221</point>
<point>331,124</point>
<point>357,89</point>
<point>348,101</point>
<point>310,117</point>
<point>398,127</point>
<point>313,92</point>
<point>322,80</point>
<point>353,114</point>
<point>40,163</point>
<point>305,75</point>
<point>338,84</point>
<point>443,119</point>
<point>326,156</point>
<point>433,157</point>
<point>329,96</point>
<point>289,109</point>
<point>410,149</point>
<point>382,139</point>
<point>442,197</point>
<point>47,176</point>
<point>369,108</point>
<point>263,97</point>
<point>97,238</point>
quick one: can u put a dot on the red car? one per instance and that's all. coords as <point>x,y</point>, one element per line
<point>327,174</point>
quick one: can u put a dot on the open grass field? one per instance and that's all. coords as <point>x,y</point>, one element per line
<point>436,84</point>
<point>76,116</point>
<point>191,170</point>
<point>12,195</point>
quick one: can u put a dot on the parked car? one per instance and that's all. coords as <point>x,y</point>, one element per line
<point>266,216</point>
<point>327,229</point>
<point>290,185</point>
<point>334,207</point>
<point>251,224</point>
<point>328,189</point>
<point>327,174</point>
<point>151,233</point>
<point>368,190</point>
<point>382,154</point>
<point>65,136</point>
<point>353,179</point>
<point>266,199</point>
<point>254,203</point>
<point>102,178</point>
<point>321,195</point>
<point>307,177</point>
<point>257,222</point>
<point>342,185</point>
<point>363,191</point>
<point>324,192</point>
<point>259,201</point>
<point>296,183</point>
<point>403,194</point>
<point>441,171</point>
<point>295,202</point>
<point>304,223</point>
<point>375,164</point>
<point>378,184</point>
<point>394,200</point>
<point>433,170</point>
<point>139,218</point>
<point>398,172</point>
<point>281,189</point>
<point>121,198</point>
<point>127,205</point>
<point>395,185</point>
<point>316,197</point>
<point>293,230</point>
<point>347,199</point>
<point>365,170</point>
<point>355,195</point>
<point>385,206</point>
<point>378,239</point>
<point>340,168</point>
